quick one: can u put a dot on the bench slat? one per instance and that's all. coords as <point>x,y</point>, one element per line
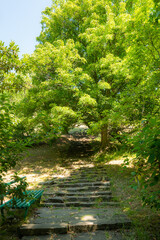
<point>24,203</point>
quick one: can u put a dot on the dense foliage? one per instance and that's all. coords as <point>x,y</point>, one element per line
<point>147,161</point>
<point>97,62</point>
<point>11,147</point>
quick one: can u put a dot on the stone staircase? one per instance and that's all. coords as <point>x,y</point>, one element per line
<point>82,202</point>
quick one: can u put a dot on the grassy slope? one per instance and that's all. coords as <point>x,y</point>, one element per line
<point>146,221</point>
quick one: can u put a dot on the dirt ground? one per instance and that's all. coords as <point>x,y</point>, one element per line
<point>44,162</point>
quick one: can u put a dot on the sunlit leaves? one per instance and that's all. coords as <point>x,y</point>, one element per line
<point>87,101</point>
<point>103,85</point>
<point>10,147</point>
<point>63,116</point>
<point>9,64</point>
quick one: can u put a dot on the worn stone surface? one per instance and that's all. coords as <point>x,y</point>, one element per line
<point>80,204</point>
<point>88,175</point>
<point>50,215</point>
<point>76,220</point>
<point>79,184</point>
<point>77,179</point>
<point>47,182</point>
<point>88,193</point>
<point>88,198</point>
<point>86,188</point>
<point>42,229</point>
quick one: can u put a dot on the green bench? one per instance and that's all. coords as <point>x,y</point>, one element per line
<point>30,196</point>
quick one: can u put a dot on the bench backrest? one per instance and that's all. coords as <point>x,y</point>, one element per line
<point>14,181</point>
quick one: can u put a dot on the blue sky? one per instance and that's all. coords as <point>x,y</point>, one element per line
<point>20,22</point>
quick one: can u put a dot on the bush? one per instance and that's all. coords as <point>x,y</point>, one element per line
<point>10,147</point>
<point>147,163</point>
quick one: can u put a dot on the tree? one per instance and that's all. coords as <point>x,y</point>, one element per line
<point>117,85</point>
<point>90,59</point>
<point>80,62</point>
<point>98,62</point>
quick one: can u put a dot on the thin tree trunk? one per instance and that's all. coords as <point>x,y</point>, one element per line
<point>104,137</point>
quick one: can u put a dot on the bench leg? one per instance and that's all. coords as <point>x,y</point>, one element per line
<point>2,214</point>
<point>39,200</point>
<point>25,214</point>
<point>26,209</point>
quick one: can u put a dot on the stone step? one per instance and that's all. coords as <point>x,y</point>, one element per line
<point>50,182</point>
<point>79,184</point>
<point>88,174</point>
<point>91,169</point>
<point>78,193</point>
<point>95,235</point>
<point>80,204</point>
<point>73,220</point>
<point>86,188</point>
<point>77,179</point>
<point>79,198</point>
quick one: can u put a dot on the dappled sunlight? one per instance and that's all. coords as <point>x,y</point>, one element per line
<point>81,163</point>
<point>41,169</point>
<point>115,162</point>
<point>45,163</point>
<point>88,218</point>
<point>121,161</point>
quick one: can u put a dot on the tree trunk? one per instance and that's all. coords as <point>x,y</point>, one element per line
<point>104,137</point>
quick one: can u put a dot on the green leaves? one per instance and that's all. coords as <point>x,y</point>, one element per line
<point>64,117</point>
<point>147,162</point>
<point>87,101</point>
<point>9,145</point>
<point>9,64</point>
<point>103,85</point>
<point>88,108</point>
